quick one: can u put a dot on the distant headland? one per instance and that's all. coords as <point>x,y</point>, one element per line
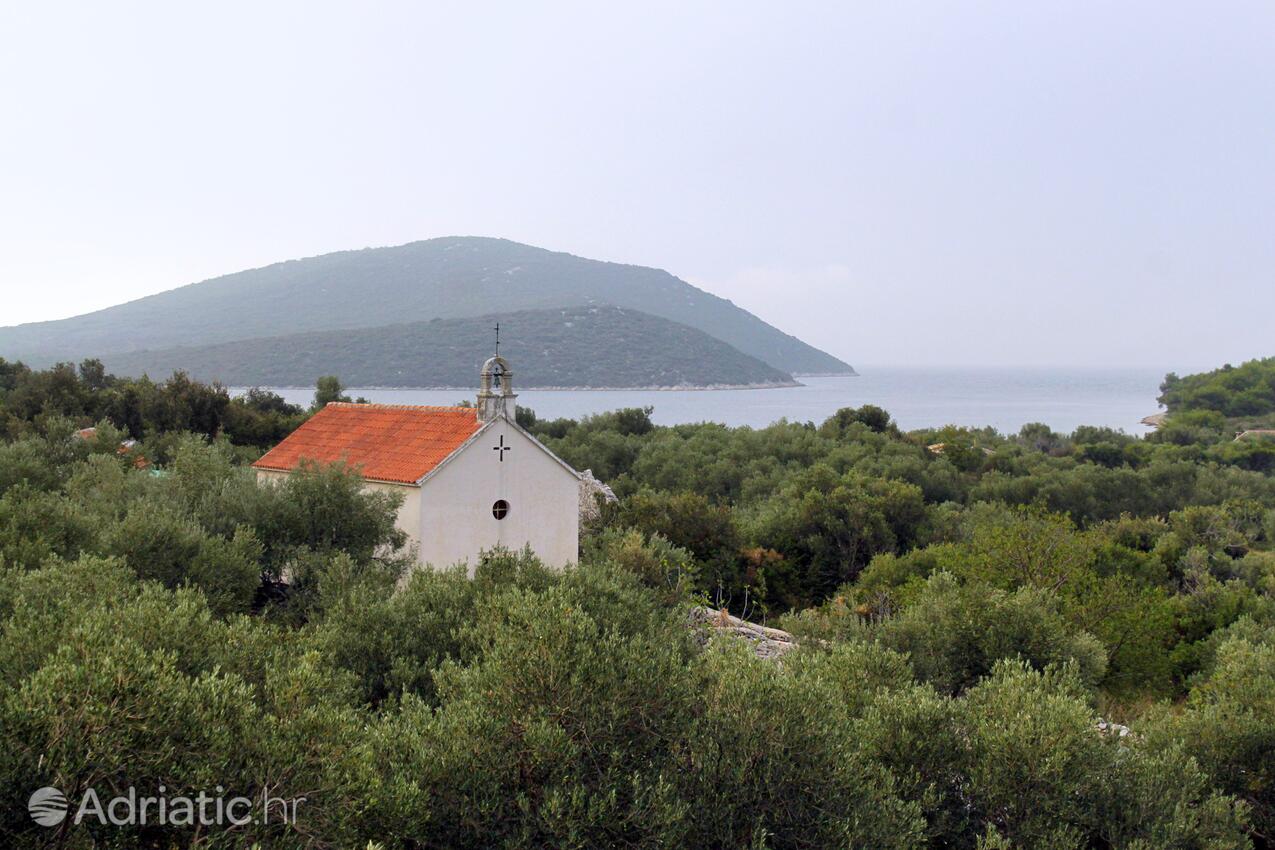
<point>420,315</point>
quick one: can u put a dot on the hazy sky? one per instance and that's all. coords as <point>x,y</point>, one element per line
<point>899,183</point>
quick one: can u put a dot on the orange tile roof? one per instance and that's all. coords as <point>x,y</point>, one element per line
<point>387,442</point>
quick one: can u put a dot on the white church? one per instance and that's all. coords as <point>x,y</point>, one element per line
<point>471,477</point>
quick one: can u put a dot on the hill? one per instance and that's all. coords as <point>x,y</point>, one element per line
<point>444,278</point>
<point>573,347</point>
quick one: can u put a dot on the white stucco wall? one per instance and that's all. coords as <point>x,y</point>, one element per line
<point>456,502</point>
<point>409,513</point>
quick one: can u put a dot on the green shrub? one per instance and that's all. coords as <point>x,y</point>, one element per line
<point>392,642</point>
<point>1042,775</point>
<point>562,732</point>
<point>1228,725</point>
<point>160,544</point>
<point>774,764</point>
<point>657,563</point>
<point>955,634</point>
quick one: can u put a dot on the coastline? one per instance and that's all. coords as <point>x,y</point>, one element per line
<point>769,385</point>
<point>762,385</point>
<point>1062,398</point>
<point>848,374</point>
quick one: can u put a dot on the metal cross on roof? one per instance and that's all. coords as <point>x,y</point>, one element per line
<point>497,330</point>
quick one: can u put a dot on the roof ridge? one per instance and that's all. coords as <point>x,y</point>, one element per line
<point>372,406</point>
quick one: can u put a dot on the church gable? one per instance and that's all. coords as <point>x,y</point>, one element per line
<point>396,443</point>
<point>496,441</point>
<point>503,488</point>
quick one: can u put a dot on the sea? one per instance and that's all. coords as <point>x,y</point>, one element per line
<point>1003,398</point>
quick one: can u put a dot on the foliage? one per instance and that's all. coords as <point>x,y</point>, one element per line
<point>773,765</point>
<point>1040,775</point>
<point>159,543</point>
<point>1228,725</point>
<point>140,408</point>
<point>963,617</point>
<point>328,389</point>
<point>1244,390</point>
<point>828,527</point>
<point>954,634</point>
<point>655,561</point>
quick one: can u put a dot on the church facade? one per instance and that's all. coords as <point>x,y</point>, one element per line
<point>471,478</point>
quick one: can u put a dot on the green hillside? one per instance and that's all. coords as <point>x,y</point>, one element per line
<point>445,278</point>
<point>576,347</point>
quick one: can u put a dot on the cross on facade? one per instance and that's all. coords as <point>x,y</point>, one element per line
<point>501,449</point>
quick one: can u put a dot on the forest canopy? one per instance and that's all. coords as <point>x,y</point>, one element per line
<point>1033,640</point>
<point>1244,390</point>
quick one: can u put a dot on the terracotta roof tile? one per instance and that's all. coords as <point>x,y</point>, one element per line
<point>387,442</point>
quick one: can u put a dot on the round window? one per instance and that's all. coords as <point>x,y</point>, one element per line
<point>500,509</point>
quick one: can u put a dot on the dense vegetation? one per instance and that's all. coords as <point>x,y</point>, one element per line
<point>159,412</point>
<point>446,278</point>
<point>976,613</point>
<point>1247,390</point>
<point>576,347</point>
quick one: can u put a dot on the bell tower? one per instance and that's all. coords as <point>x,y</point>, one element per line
<point>496,390</point>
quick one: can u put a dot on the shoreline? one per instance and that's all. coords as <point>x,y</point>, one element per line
<point>771,385</point>
<point>764,385</point>
<point>851,374</point>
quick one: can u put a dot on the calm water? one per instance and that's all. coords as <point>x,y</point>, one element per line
<point>917,398</point>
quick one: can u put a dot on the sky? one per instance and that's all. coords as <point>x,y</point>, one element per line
<point>929,183</point>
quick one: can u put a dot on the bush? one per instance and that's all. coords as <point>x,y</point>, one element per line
<point>36,526</point>
<point>326,509</point>
<point>774,764</point>
<point>1228,726</point>
<point>691,522</point>
<point>917,735</point>
<point>160,544</point>
<point>562,732</point>
<point>827,528</point>
<point>657,563</point>
<point>392,642</point>
<point>954,634</point>
<point>1041,775</point>
<point>110,683</point>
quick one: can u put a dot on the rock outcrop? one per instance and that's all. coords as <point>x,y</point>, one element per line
<point>766,643</point>
<point>593,495</point>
